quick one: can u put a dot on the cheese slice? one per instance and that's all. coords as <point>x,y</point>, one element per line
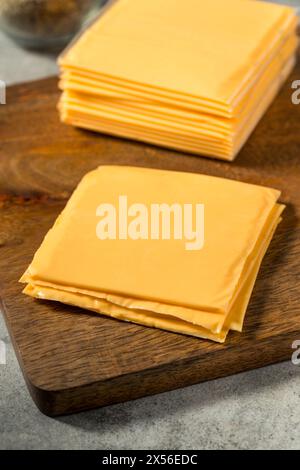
<point>119,113</point>
<point>169,46</point>
<point>152,318</point>
<point>181,119</point>
<point>137,312</point>
<point>113,88</point>
<point>158,282</point>
<point>222,149</point>
<point>200,84</point>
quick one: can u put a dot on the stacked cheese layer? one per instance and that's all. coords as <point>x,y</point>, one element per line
<point>194,75</point>
<point>156,281</point>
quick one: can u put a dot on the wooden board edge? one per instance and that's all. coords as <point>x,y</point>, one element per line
<point>158,380</point>
<point>151,381</point>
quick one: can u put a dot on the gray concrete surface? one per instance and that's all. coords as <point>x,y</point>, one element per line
<point>254,410</point>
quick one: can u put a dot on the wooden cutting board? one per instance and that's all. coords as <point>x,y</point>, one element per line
<point>74,360</point>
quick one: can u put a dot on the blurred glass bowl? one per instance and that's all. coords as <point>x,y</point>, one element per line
<point>45,24</point>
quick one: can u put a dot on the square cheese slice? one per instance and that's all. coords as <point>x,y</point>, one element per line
<point>198,48</point>
<point>195,76</point>
<point>157,281</point>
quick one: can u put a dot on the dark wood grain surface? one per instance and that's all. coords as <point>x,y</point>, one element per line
<point>74,360</point>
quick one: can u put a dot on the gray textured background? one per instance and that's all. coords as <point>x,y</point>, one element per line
<point>256,410</point>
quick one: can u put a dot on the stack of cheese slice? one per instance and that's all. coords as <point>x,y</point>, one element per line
<point>155,280</point>
<point>194,75</point>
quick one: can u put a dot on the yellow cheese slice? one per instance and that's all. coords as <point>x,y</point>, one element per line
<point>150,318</point>
<point>180,87</point>
<point>176,127</point>
<point>119,112</point>
<point>207,289</point>
<point>188,54</point>
<point>174,140</point>
<point>75,115</point>
<point>213,322</point>
<point>106,184</point>
<point>142,317</point>
<point>174,117</point>
<point>89,83</point>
